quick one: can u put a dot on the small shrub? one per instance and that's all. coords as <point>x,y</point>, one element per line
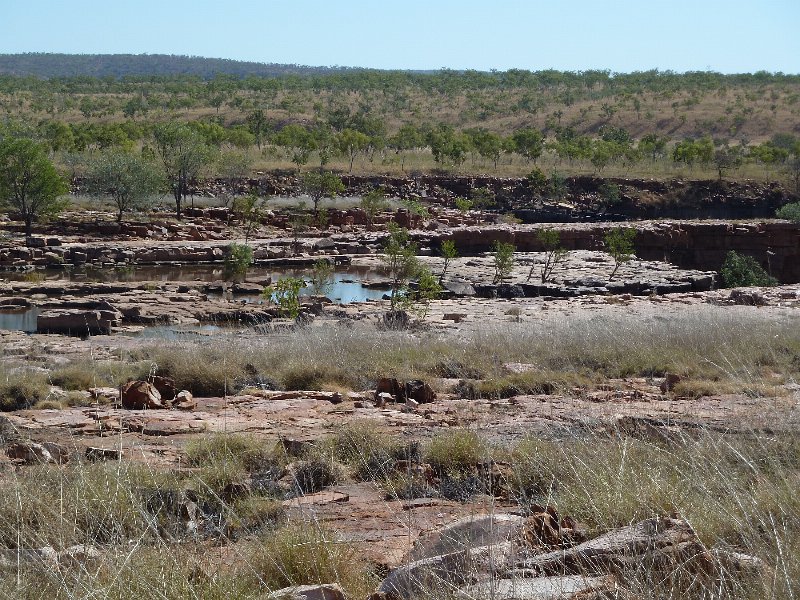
<point>305,554</point>
<point>286,295</point>
<point>367,450</point>
<point>456,453</point>
<point>530,382</point>
<point>321,277</point>
<point>251,453</point>
<point>619,244</point>
<point>744,271</point>
<point>22,389</point>
<point>408,487</point>
<point>503,257</point>
<point>204,371</point>
<point>790,212</point>
<point>315,474</point>
<point>252,513</point>
<point>74,377</point>
<point>463,205</point>
<point>610,193</point>
<point>308,377</point>
<point>238,259</point>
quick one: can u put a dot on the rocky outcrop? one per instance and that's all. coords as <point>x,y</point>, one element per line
<point>508,566</point>
<point>690,245</point>
<point>139,395</point>
<point>78,322</point>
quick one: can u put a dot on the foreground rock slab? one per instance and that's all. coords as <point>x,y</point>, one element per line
<point>327,591</point>
<point>541,588</point>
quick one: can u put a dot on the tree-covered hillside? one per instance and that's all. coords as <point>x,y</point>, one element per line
<point>48,66</point>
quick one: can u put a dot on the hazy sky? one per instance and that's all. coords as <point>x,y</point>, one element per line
<point>621,35</point>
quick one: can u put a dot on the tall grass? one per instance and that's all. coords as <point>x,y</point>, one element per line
<point>740,347</point>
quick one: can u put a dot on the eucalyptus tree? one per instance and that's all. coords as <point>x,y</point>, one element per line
<point>29,183</point>
<point>350,143</point>
<point>130,181</point>
<point>184,153</point>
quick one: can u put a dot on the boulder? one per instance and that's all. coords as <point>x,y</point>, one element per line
<point>656,542</point>
<point>78,322</point>
<point>30,453</point>
<point>99,454</point>
<point>447,571</point>
<point>138,395</point>
<point>391,386</point>
<point>184,401</point>
<point>164,385</point>
<point>86,558</point>
<point>468,532</point>
<point>419,391</point>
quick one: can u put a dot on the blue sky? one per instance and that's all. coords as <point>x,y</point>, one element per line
<point>621,35</point>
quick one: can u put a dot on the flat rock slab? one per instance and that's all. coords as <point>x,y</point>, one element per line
<point>541,588</point>
<point>325,497</point>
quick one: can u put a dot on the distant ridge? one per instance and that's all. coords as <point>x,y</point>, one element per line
<point>49,66</point>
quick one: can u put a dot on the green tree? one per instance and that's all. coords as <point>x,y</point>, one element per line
<point>619,244</point>
<point>350,143</point>
<point>449,252</point>
<point>319,185</point>
<point>744,271</point>
<point>529,143</point>
<point>233,166</point>
<point>29,183</point>
<point>250,211</point>
<point>183,153</point>
<point>727,159</point>
<point>321,277</point>
<point>401,262</point>
<point>285,293</point>
<point>298,141</point>
<point>790,212</point>
<point>408,138</point>
<point>373,203</point>
<point>503,259</point>
<point>428,289</point>
<point>238,259</point>
<point>489,145</point>
<point>258,125</point>
<point>130,181</point>
<point>653,145</point>
<point>555,253</point>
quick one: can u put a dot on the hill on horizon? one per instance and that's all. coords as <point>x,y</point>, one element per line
<point>53,65</point>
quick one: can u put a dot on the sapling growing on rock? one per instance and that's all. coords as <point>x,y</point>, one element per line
<point>428,289</point>
<point>555,253</point>
<point>321,277</point>
<point>285,293</point>
<point>250,210</point>
<point>373,203</point>
<point>619,244</point>
<point>402,264</point>
<point>237,261</point>
<point>503,260</point>
<point>449,252</point>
